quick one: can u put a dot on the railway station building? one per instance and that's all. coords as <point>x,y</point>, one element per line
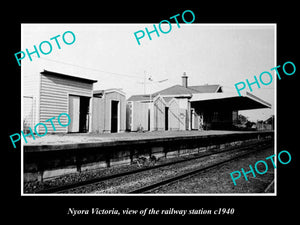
<point>183,107</point>
<point>179,107</point>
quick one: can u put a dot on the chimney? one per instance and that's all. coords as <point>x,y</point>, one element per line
<point>184,80</point>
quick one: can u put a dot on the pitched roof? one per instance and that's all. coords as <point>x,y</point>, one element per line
<point>118,90</point>
<point>179,91</point>
<point>139,98</point>
<point>100,93</point>
<point>175,90</point>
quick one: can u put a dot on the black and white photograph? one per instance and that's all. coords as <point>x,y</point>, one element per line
<point>150,112</point>
<point>107,112</point>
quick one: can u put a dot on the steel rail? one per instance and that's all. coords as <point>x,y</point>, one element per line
<point>79,184</point>
<point>183,176</point>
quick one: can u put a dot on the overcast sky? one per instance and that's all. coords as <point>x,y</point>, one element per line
<point>208,53</point>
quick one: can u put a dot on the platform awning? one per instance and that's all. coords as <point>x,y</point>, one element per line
<point>217,101</point>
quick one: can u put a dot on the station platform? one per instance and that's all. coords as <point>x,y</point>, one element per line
<point>60,154</point>
<point>91,140</point>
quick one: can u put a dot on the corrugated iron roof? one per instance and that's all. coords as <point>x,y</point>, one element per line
<point>230,100</point>
<point>175,90</point>
<point>179,90</point>
<point>61,75</point>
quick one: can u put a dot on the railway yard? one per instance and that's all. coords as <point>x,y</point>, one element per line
<point>205,171</point>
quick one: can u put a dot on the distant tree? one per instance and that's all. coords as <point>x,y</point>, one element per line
<point>242,119</point>
<point>270,120</point>
<point>249,124</point>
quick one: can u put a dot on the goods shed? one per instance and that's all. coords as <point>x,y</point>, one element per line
<point>55,93</point>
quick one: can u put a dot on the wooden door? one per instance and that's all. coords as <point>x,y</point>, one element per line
<point>114,117</point>
<point>74,106</point>
<point>166,118</point>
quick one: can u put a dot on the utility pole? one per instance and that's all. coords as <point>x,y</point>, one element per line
<point>145,82</point>
<point>151,104</point>
<point>148,80</point>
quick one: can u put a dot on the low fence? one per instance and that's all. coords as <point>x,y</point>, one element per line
<point>29,112</point>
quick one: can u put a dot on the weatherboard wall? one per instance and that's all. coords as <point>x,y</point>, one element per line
<point>54,96</point>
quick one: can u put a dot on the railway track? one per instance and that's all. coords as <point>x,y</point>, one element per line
<point>269,187</point>
<point>73,186</point>
<point>183,176</point>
